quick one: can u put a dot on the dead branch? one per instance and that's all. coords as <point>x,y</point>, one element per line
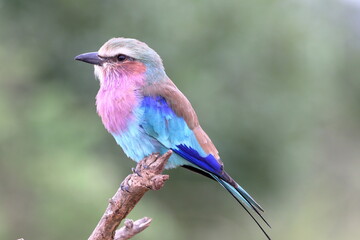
<point>132,228</point>
<point>146,176</point>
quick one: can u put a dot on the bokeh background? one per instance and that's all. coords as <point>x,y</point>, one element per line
<point>275,84</point>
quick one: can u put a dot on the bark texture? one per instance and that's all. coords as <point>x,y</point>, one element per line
<point>146,176</point>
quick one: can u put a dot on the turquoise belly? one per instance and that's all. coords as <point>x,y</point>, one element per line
<point>136,144</point>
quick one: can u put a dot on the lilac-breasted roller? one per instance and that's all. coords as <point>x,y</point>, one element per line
<point>146,113</point>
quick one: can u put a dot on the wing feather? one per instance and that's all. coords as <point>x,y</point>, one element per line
<point>182,108</point>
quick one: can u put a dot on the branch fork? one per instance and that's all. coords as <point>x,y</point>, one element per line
<point>146,176</point>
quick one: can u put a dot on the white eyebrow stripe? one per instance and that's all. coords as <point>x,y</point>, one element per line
<point>114,52</point>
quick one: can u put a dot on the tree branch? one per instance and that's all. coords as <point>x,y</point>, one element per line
<point>132,228</point>
<point>146,176</point>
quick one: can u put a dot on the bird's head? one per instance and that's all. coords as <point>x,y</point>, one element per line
<point>120,59</point>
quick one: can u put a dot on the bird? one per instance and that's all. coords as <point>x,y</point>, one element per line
<point>145,112</point>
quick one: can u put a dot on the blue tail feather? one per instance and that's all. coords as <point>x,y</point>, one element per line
<point>210,166</point>
<point>207,163</point>
<point>248,197</point>
<point>239,196</point>
<point>241,199</point>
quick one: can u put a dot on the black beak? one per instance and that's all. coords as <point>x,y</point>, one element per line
<point>91,57</point>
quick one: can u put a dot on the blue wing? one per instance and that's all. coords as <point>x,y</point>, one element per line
<point>172,132</point>
<point>160,122</point>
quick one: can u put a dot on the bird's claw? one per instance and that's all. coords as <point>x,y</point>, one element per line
<point>124,187</point>
<point>136,171</point>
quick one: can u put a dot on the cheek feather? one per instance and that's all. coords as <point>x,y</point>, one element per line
<point>133,67</point>
<point>115,75</point>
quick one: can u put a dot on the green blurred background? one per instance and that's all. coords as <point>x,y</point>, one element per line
<point>275,84</point>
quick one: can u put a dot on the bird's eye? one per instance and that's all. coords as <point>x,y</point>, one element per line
<point>121,57</point>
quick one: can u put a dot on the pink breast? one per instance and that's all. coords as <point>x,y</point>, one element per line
<point>117,100</point>
<point>116,107</point>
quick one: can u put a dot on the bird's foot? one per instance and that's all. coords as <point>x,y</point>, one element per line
<point>149,163</point>
<point>124,187</point>
<point>136,171</point>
